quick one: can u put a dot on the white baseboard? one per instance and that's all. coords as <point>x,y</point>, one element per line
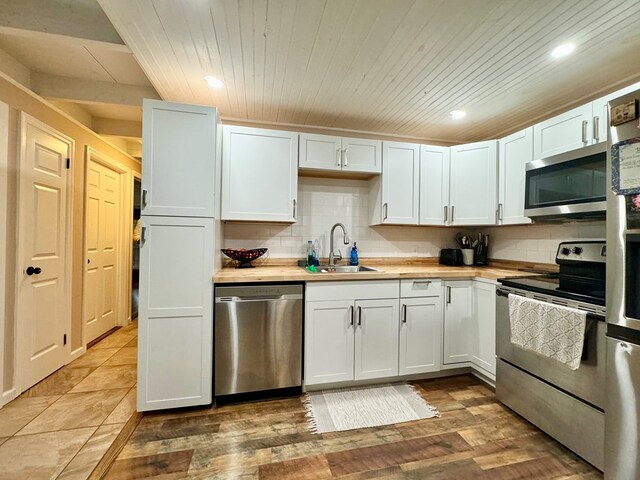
<point>7,396</point>
<point>76,353</point>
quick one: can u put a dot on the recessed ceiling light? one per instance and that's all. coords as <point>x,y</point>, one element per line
<point>562,50</point>
<point>458,114</point>
<point>214,82</point>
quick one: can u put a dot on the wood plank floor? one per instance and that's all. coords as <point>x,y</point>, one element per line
<point>475,438</point>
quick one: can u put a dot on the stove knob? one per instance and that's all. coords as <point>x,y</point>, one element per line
<point>577,250</point>
<point>565,251</point>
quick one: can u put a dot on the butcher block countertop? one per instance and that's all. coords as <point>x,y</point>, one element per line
<point>392,269</point>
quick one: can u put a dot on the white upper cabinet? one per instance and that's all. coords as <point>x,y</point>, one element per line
<point>178,151</point>
<point>320,152</point>
<point>259,174</point>
<point>394,196</point>
<point>434,185</point>
<point>473,183</point>
<point>515,151</point>
<point>567,131</point>
<point>340,154</point>
<point>601,112</point>
<point>361,155</point>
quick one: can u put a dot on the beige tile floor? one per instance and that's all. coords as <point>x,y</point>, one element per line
<point>61,427</point>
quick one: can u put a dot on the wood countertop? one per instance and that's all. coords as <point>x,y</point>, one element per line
<point>390,271</point>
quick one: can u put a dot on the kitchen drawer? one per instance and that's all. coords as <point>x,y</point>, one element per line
<point>356,290</point>
<point>420,287</point>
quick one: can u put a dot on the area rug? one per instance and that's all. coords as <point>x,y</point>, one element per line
<point>363,407</point>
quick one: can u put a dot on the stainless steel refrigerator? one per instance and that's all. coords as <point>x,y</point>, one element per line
<point>622,410</point>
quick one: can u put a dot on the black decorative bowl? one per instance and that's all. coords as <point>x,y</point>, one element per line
<point>244,257</point>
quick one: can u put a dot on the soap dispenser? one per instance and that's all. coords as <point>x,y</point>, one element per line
<point>353,257</point>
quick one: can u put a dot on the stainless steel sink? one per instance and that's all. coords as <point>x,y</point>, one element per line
<point>344,269</point>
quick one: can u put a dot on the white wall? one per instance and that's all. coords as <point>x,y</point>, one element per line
<point>322,202</point>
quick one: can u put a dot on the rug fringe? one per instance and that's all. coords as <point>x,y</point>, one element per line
<point>432,409</point>
<point>311,419</point>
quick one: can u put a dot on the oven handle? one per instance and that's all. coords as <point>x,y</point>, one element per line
<point>590,315</point>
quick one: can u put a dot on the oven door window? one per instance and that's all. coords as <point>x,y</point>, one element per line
<point>577,181</point>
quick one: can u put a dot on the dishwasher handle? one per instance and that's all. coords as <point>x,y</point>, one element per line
<point>266,298</point>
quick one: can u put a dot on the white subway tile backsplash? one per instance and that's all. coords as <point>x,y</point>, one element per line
<point>323,202</point>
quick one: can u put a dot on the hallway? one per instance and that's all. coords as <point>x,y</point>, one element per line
<point>62,426</point>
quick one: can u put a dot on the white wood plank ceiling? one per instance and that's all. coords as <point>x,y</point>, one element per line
<point>391,66</point>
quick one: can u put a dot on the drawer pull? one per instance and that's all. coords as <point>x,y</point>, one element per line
<point>422,282</point>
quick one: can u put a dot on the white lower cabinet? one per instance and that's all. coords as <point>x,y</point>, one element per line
<point>175,352</point>
<point>458,322</point>
<point>484,306</point>
<point>420,335</point>
<point>407,327</point>
<point>350,340</point>
<point>351,331</point>
<point>329,341</point>
<point>376,335</point>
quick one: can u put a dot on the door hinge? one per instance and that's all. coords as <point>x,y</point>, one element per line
<point>64,339</point>
<point>68,163</point>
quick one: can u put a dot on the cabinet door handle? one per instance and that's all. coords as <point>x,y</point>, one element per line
<point>404,313</point>
<point>346,157</point>
<point>294,208</point>
<point>351,315</point>
<point>448,295</point>
<point>338,157</point>
<point>143,234</point>
<point>452,210</point>
<point>500,211</point>
<point>144,198</point>
<point>385,209</point>
<point>359,316</point>
<point>596,128</point>
<point>446,213</point>
<point>585,124</point>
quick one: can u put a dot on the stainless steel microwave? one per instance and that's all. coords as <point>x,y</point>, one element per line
<point>568,185</point>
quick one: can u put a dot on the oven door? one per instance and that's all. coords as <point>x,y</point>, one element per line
<point>572,183</point>
<point>587,382</point>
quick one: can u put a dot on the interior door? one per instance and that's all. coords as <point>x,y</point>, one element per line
<point>43,293</point>
<point>102,235</point>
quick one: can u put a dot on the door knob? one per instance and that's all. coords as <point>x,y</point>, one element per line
<point>33,270</point>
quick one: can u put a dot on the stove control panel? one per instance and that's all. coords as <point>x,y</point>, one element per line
<point>586,251</point>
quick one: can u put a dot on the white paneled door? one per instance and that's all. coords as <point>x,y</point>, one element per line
<point>102,249</point>
<point>43,285</point>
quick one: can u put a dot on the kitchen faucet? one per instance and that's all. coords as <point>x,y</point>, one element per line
<point>346,242</point>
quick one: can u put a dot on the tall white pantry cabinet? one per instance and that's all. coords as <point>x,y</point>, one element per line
<point>180,189</point>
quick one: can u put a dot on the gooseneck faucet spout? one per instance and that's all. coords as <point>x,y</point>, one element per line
<point>346,242</point>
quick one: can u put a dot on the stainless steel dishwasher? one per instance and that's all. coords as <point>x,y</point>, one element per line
<point>258,338</point>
